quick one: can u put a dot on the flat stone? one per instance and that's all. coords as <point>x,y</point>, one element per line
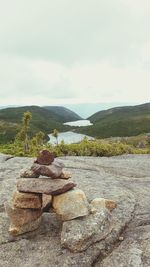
<point>27,200</point>
<point>46,202</point>
<point>28,227</point>
<point>44,186</point>
<point>77,235</point>
<point>19,217</point>
<point>70,205</point>
<point>54,170</point>
<point>45,157</point>
<point>99,203</point>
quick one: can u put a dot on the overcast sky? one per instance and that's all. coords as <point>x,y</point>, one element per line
<point>65,51</point>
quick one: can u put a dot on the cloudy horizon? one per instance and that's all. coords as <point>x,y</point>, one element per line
<point>63,52</point>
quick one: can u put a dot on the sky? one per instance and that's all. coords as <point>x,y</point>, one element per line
<point>82,51</point>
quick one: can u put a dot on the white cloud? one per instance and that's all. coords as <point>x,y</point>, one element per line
<point>54,52</point>
<point>145,53</point>
<point>65,31</point>
<point>138,7</point>
<point>44,83</point>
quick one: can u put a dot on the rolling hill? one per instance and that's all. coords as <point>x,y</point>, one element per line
<point>114,122</point>
<point>63,114</point>
<point>43,119</point>
<point>120,121</point>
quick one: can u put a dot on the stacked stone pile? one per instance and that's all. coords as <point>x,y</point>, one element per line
<point>46,182</point>
<point>43,180</point>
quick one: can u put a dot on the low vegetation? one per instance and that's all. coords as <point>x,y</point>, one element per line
<point>84,148</point>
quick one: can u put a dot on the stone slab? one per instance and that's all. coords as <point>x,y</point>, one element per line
<point>44,186</point>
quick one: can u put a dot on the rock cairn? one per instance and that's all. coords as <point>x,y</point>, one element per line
<point>45,184</point>
<point>35,189</point>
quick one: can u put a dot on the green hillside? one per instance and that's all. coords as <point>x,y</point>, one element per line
<point>63,114</point>
<point>42,120</point>
<point>120,121</point>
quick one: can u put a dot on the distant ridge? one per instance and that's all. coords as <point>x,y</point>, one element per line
<point>120,121</point>
<point>64,114</point>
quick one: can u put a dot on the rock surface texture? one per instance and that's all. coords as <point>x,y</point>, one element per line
<point>124,179</point>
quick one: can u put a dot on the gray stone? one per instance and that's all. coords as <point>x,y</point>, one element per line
<point>44,186</point>
<point>70,205</point>
<point>77,235</point>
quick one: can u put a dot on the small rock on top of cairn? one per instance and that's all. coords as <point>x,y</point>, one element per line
<point>45,157</point>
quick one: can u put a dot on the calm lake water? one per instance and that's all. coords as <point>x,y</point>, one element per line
<point>68,138</point>
<point>79,123</point>
<point>71,137</point>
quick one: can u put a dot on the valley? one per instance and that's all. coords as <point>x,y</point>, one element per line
<point>115,122</point>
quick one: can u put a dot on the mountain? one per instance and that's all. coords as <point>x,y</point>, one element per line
<point>120,121</point>
<point>87,109</point>
<point>43,119</point>
<point>63,114</point>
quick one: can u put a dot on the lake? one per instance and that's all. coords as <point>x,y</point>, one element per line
<point>68,137</point>
<point>79,123</point>
<point>71,137</point>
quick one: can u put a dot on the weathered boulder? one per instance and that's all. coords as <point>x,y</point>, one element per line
<point>77,235</point>
<point>27,200</point>
<point>45,157</point>
<point>54,170</point>
<point>70,205</point>
<point>99,203</point>
<point>16,230</point>
<point>44,186</point>
<point>19,217</point>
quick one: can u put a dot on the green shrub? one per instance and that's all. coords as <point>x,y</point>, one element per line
<point>96,148</point>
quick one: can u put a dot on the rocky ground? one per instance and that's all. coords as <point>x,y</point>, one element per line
<point>125,179</point>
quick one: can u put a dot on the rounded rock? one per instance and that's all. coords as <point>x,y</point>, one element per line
<point>45,157</point>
